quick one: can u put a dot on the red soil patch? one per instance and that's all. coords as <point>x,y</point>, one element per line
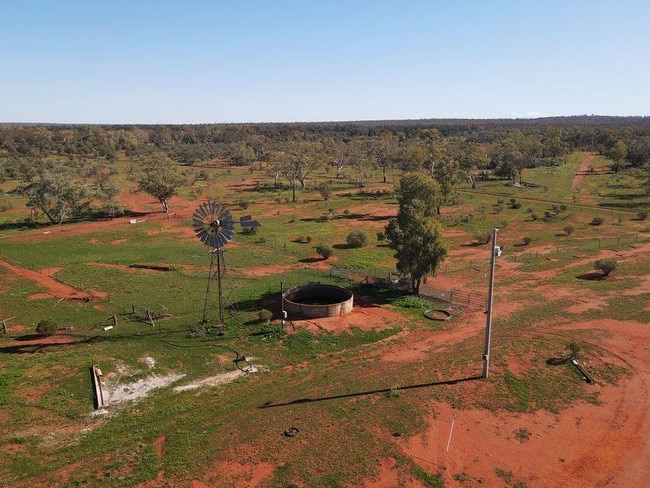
<point>322,265</point>
<point>159,445</point>
<point>236,475</point>
<point>576,182</point>
<point>54,288</point>
<point>364,316</point>
<point>388,475</point>
<point>586,446</point>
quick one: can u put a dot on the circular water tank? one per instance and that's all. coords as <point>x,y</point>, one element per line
<point>315,300</point>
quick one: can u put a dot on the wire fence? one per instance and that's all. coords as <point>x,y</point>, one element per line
<point>456,297</point>
<point>587,245</point>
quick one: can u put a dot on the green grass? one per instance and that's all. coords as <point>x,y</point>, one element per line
<point>330,386</point>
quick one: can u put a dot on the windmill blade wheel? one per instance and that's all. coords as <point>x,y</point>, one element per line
<point>213,224</point>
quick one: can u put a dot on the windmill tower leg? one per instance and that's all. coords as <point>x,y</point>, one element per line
<point>211,274</point>
<point>220,269</point>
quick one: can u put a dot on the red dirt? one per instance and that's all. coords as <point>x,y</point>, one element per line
<point>362,317</point>
<point>54,288</point>
<point>584,445</point>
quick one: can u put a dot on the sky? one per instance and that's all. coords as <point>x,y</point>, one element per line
<point>213,61</point>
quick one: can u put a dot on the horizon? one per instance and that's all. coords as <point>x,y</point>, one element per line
<point>359,121</point>
<point>164,63</point>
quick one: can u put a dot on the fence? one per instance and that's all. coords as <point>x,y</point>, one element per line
<point>456,297</point>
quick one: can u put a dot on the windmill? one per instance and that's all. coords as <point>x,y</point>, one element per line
<point>214,226</point>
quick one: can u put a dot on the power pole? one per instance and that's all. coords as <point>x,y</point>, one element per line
<point>496,252</point>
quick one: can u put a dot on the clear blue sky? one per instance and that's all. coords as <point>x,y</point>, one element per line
<point>193,61</point>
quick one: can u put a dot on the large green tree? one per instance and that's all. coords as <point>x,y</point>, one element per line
<point>57,196</point>
<point>421,192</point>
<point>415,235</point>
<point>161,179</point>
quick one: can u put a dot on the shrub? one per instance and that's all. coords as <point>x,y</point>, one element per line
<point>597,221</point>
<point>642,215</point>
<point>264,315</point>
<point>574,347</point>
<point>605,265</point>
<point>346,212</point>
<point>46,327</point>
<point>381,236</point>
<point>568,230</point>
<point>243,204</point>
<point>325,191</point>
<point>358,238</point>
<point>324,250</point>
<point>483,237</point>
<point>527,240</point>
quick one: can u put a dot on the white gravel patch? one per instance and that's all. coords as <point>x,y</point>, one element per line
<point>220,379</point>
<point>138,389</point>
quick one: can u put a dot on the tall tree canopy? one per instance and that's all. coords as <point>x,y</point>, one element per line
<point>415,235</point>
<point>161,180</point>
<point>57,196</point>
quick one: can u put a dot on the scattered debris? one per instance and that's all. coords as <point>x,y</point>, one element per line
<point>586,376</point>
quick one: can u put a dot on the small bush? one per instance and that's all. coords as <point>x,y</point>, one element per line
<point>346,212</point>
<point>568,230</point>
<point>597,221</point>
<point>514,203</point>
<point>264,315</point>
<point>358,238</point>
<point>243,204</point>
<point>381,236</point>
<point>483,237</point>
<point>605,265</point>
<point>574,347</point>
<point>527,240</point>
<point>46,327</point>
<point>324,250</point>
<point>642,215</point>
<point>325,191</point>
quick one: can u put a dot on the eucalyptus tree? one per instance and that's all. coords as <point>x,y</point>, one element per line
<point>296,163</point>
<point>382,149</point>
<point>57,195</point>
<point>161,179</point>
<point>415,234</point>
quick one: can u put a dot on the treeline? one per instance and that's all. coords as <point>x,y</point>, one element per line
<point>193,143</point>
<point>51,162</point>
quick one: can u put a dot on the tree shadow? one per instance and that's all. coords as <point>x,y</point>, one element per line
<point>311,260</point>
<point>558,361</point>
<point>591,276</point>
<point>270,404</point>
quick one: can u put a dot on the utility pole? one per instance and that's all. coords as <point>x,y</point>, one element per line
<point>496,252</point>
